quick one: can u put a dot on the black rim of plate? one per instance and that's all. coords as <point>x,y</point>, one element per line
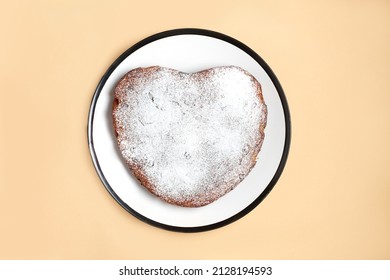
<point>259,60</point>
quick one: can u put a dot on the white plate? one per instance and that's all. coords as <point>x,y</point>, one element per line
<point>189,50</point>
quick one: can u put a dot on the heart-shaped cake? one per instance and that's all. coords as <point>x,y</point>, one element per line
<point>189,138</point>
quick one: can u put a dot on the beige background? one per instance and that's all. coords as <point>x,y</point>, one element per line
<point>333,61</point>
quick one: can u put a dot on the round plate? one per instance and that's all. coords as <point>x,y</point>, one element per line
<point>189,50</point>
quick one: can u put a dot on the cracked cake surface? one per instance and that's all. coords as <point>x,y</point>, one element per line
<point>189,138</point>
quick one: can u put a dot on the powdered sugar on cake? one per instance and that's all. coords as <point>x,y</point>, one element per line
<point>190,138</point>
